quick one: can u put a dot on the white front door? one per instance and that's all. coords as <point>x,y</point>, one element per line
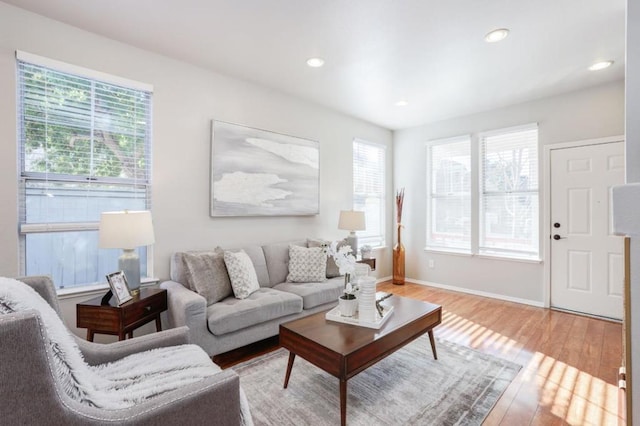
<point>586,258</point>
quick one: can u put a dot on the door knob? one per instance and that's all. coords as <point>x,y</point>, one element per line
<point>557,237</point>
<point>556,225</point>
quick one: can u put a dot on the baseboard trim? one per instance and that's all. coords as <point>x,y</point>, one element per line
<point>383,279</point>
<point>478,293</point>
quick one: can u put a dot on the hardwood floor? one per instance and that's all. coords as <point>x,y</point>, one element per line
<point>570,362</point>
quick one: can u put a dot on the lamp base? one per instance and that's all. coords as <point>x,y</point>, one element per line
<point>352,240</point>
<point>129,263</point>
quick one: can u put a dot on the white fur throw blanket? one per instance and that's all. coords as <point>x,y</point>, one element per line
<point>119,384</point>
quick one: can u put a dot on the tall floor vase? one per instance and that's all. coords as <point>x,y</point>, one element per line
<point>398,259</point>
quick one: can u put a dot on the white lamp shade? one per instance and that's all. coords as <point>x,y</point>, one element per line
<point>351,220</point>
<point>126,229</point>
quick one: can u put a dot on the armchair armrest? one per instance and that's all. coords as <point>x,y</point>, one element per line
<point>98,353</point>
<point>217,397</point>
<point>187,308</point>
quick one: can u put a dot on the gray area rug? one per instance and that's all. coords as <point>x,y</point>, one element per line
<point>408,387</point>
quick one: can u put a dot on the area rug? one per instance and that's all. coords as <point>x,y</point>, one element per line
<point>408,387</point>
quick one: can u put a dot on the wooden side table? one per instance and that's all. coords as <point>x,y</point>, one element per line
<point>121,320</point>
<point>370,261</point>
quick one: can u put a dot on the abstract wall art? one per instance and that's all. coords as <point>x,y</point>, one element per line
<point>261,173</point>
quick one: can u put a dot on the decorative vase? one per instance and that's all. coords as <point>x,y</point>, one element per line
<point>367,299</point>
<point>398,259</point>
<point>347,307</point>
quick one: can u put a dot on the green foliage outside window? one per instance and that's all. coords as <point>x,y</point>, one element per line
<point>80,127</point>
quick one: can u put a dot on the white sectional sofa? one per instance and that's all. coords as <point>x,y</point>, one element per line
<point>231,322</point>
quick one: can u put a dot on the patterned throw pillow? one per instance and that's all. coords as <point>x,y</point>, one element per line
<point>332,269</point>
<point>242,274</point>
<point>307,265</point>
<point>207,274</point>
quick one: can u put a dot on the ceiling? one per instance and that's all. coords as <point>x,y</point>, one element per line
<point>430,53</point>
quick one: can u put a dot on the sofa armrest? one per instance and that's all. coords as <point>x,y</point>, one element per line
<point>98,353</point>
<point>187,308</point>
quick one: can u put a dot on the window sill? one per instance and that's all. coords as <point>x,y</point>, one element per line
<point>94,289</point>
<point>442,250</point>
<point>481,256</point>
<point>508,258</point>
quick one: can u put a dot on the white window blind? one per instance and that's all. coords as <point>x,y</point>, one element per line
<point>509,192</point>
<point>85,148</point>
<point>449,193</point>
<point>369,190</point>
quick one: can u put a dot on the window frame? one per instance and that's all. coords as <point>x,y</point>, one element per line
<point>142,185</point>
<point>378,240</point>
<point>477,159</point>
<point>431,195</point>
<point>481,249</point>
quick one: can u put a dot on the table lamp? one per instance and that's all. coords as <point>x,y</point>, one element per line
<point>351,220</point>
<point>127,230</point>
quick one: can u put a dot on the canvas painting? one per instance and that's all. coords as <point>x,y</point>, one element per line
<point>260,173</point>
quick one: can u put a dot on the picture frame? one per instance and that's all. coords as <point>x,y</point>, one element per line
<point>119,287</point>
<point>257,172</point>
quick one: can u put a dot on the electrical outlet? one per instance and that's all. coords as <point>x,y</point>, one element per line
<point>432,264</point>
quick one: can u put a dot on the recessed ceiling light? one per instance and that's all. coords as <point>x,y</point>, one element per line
<point>402,103</point>
<point>496,35</point>
<point>315,62</point>
<point>600,65</point>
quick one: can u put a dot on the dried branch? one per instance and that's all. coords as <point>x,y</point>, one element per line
<point>399,202</point>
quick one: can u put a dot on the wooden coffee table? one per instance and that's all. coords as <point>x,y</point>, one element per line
<point>344,350</point>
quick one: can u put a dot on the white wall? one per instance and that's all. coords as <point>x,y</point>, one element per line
<point>587,114</point>
<point>185,99</point>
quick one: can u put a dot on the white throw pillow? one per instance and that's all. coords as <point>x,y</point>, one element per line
<point>307,265</point>
<point>242,274</point>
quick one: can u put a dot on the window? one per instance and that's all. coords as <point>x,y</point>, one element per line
<point>449,197</point>
<point>509,192</point>
<point>84,147</point>
<point>491,209</point>
<point>368,190</point>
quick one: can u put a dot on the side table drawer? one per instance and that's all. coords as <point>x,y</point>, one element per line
<point>141,310</point>
<point>101,319</point>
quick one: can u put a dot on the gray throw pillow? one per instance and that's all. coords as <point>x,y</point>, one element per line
<point>332,268</point>
<point>207,274</point>
<point>307,265</point>
<point>242,273</point>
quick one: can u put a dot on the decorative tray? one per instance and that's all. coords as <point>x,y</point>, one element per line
<point>334,315</point>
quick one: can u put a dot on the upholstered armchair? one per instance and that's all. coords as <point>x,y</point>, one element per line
<point>50,376</point>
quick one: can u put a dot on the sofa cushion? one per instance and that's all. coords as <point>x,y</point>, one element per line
<point>315,294</point>
<point>277,259</point>
<point>207,274</point>
<point>242,274</point>
<point>177,270</point>
<point>232,314</point>
<point>332,269</point>
<point>256,255</point>
<point>306,265</point>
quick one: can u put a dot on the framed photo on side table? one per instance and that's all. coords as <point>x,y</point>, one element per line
<point>119,287</point>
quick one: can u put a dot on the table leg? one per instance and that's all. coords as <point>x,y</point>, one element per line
<point>343,402</point>
<point>90,335</point>
<point>433,344</point>
<point>292,356</point>
<point>121,335</point>
<point>158,323</point>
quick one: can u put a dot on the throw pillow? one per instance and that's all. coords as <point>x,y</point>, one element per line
<point>332,268</point>
<point>207,274</point>
<point>307,265</point>
<point>242,273</point>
